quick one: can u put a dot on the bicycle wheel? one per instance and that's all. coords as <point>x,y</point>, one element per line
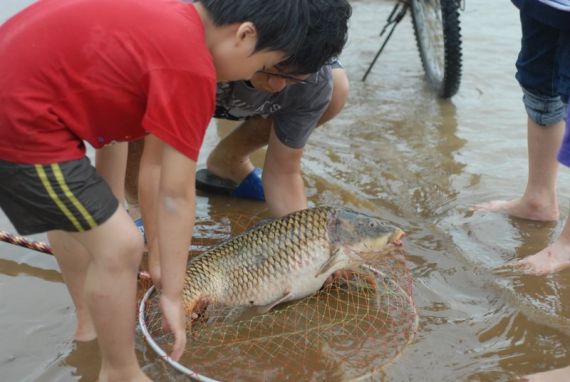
<point>438,35</point>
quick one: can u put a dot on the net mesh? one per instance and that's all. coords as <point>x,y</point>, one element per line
<point>348,330</point>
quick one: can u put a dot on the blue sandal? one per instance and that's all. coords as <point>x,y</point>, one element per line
<point>250,188</point>
<point>140,227</point>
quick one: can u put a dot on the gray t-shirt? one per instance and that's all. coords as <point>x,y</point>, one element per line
<point>295,110</point>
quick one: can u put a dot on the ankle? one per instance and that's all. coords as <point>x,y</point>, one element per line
<point>540,202</point>
<point>230,166</point>
<point>134,376</point>
<point>226,159</point>
<point>85,333</point>
<point>84,329</point>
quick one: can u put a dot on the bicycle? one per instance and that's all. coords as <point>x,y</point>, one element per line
<point>438,35</point>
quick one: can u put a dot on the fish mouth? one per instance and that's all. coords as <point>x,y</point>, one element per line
<point>397,237</point>
<point>382,244</point>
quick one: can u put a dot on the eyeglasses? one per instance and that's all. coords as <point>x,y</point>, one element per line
<point>288,77</point>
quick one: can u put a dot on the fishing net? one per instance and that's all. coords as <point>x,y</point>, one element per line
<point>348,330</point>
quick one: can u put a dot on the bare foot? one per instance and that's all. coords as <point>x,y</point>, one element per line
<point>521,209</point>
<point>132,376</point>
<point>558,375</point>
<point>551,259</point>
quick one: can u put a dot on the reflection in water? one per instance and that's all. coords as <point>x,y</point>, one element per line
<point>511,352</point>
<point>401,164</point>
<point>11,268</point>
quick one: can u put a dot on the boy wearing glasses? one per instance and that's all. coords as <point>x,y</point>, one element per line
<point>278,107</point>
<point>105,71</point>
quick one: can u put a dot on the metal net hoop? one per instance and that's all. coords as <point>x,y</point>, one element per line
<point>346,331</point>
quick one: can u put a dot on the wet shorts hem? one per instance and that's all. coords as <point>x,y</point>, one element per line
<point>68,196</point>
<point>544,110</point>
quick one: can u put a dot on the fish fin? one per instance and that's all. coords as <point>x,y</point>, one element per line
<point>369,278</point>
<point>347,274</point>
<point>333,260</point>
<point>189,307</point>
<point>195,309</point>
<point>266,308</point>
<point>337,276</point>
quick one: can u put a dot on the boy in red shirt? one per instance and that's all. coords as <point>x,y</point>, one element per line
<point>103,71</point>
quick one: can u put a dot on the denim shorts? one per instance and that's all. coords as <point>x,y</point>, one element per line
<point>543,64</point>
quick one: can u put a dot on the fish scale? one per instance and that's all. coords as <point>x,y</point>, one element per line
<point>284,259</point>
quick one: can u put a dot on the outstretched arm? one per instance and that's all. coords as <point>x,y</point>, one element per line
<point>167,197</point>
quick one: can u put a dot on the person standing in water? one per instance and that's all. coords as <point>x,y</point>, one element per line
<point>106,71</point>
<point>543,71</point>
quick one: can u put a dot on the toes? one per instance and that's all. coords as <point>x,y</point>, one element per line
<point>493,205</point>
<point>513,268</point>
<point>521,267</point>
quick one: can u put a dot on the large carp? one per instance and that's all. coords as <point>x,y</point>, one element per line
<point>285,259</point>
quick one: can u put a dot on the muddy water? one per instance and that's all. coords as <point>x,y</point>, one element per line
<point>399,153</point>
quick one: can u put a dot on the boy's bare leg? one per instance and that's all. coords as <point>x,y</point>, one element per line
<point>553,258</point>
<point>111,164</point>
<point>73,260</point>
<point>230,158</point>
<point>341,88</point>
<point>539,200</point>
<point>135,150</point>
<point>116,249</point>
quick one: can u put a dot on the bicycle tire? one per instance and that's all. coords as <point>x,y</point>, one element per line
<point>438,36</point>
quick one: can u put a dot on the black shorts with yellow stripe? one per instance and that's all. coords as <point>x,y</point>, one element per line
<point>68,196</point>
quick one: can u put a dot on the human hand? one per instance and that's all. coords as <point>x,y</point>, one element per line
<point>174,319</point>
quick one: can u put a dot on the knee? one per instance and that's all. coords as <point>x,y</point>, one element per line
<point>133,248</point>
<point>340,91</point>
<point>543,109</point>
<point>126,254</point>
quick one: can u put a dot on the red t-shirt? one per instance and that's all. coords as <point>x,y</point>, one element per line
<point>102,71</point>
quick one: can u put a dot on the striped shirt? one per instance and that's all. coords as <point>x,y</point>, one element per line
<point>558,4</point>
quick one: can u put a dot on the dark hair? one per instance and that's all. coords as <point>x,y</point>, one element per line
<point>281,24</point>
<point>326,37</point>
